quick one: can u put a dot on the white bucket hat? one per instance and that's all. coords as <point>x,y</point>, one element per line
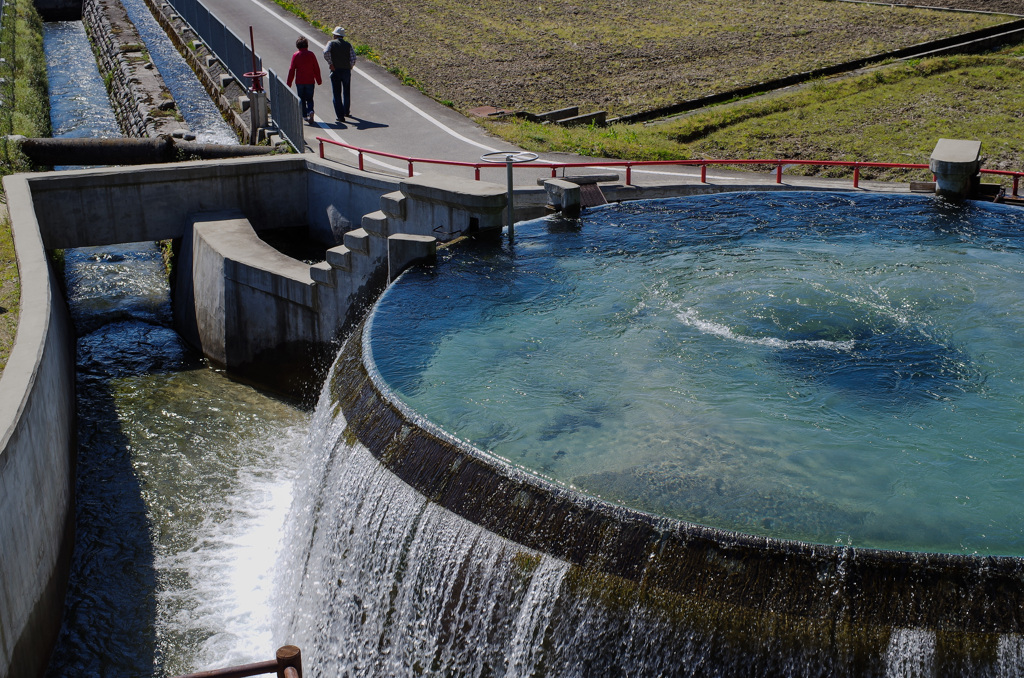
<point>339,32</point>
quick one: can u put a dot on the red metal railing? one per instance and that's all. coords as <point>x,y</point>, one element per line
<point>288,664</point>
<point>628,165</point>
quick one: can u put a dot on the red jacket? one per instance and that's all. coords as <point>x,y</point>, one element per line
<point>304,69</point>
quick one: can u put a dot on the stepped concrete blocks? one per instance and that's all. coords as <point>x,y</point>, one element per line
<point>405,250</point>
<point>376,223</point>
<point>340,257</point>
<point>358,241</point>
<point>322,273</point>
<point>393,204</point>
<point>956,164</point>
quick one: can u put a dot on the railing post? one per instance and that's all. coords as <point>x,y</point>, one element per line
<point>629,174</point>
<point>856,176</point>
<point>360,161</point>
<point>778,173</point>
<point>476,172</point>
<point>410,167</point>
<point>321,149</point>
<point>703,174</point>
<point>289,662</point>
<point>554,172</point>
<point>1016,178</point>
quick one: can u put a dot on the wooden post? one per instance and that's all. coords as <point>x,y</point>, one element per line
<point>289,662</point>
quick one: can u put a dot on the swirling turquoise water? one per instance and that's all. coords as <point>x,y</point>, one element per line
<point>837,368</point>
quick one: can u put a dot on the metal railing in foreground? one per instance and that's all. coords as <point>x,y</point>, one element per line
<point>628,165</point>
<point>288,664</point>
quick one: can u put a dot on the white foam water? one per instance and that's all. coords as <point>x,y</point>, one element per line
<point>911,653</point>
<point>381,582</point>
<point>231,568</point>
<point>690,318</point>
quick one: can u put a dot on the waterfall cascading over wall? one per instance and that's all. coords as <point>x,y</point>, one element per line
<point>392,580</point>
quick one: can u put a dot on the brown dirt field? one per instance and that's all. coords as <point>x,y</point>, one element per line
<point>624,56</point>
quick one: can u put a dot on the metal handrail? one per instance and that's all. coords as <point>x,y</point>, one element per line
<point>628,165</point>
<point>288,664</point>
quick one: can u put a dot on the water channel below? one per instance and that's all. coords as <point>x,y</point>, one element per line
<point>183,474</point>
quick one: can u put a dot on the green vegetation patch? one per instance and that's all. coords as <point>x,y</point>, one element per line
<point>25,107</point>
<point>10,292</point>
<point>617,56</point>
<point>24,110</point>
<point>893,114</point>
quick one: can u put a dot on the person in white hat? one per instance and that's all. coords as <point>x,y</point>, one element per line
<point>341,58</point>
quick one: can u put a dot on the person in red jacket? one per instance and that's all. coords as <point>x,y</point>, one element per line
<point>305,71</point>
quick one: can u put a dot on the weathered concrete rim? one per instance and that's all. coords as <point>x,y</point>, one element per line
<point>950,592</point>
<point>37,455</point>
<point>33,315</point>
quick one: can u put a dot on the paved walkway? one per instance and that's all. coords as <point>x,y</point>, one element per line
<point>398,119</point>
<point>390,117</point>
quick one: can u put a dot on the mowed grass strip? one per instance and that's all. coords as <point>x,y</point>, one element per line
<point>893,114</point>
<point>622,57</point>
<point>10,292</point>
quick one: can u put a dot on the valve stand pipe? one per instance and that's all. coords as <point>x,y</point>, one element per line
<point>510,158</point>
<point>508,178</point>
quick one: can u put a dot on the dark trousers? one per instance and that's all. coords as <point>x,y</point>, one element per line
<point>305,93</point>
<point>341,81</point>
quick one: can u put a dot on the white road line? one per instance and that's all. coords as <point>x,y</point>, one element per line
<point>426,116</point>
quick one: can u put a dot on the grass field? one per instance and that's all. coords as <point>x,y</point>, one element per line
<point>892,114</point>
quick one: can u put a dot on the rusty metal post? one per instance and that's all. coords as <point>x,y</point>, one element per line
<point>856,176</point>
<point>289,662</point>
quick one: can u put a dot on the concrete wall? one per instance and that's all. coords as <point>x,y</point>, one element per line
<point>256,310</point>
<point>37,448</point>
<point>337,198</point>
<point>104,206</point>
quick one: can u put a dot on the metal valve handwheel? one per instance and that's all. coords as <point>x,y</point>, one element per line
<point>509,156</point>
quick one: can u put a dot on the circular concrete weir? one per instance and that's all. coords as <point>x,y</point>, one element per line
<point>759,592</point>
